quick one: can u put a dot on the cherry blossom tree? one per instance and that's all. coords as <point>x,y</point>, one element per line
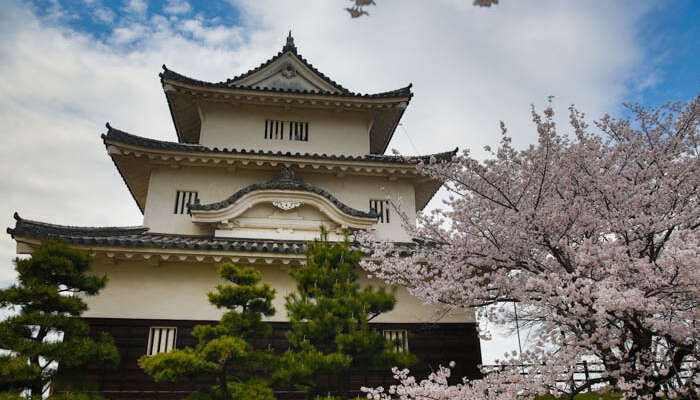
<point>596,235</point>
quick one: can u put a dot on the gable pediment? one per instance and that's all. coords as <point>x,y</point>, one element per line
<point>288,72</point>
<point>285,202</point>
<point>286,214</point>
<point>302,222</point>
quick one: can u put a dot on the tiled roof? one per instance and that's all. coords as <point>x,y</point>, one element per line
<point>289,47</point>
<point>284,181</point>
<point>172,75</point>
<point>139,236</point>
<point>127,138</point>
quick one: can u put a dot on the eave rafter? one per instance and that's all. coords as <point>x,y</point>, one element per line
<point>175,159</point>
<point>159,257</point>
<point>282,99</point>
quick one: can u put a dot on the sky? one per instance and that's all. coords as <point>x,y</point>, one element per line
<point>70,66</point>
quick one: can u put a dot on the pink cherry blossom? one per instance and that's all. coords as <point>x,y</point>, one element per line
<point>595,235</point>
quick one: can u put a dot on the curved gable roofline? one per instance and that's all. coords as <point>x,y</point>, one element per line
<point>285,181</point>
<point>169,74</point>
<point>289,48</point>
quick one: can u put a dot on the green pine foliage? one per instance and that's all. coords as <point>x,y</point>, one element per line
<point>45,341</point>
<point>224,351</point>
<point>329,315</point>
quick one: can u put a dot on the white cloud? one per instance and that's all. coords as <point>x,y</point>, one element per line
<point>212,35</point>
<point>103,14</point>
<point>138,7</point>
<point>177,7</point>
<point>56,13</point>
<point>128,34</point>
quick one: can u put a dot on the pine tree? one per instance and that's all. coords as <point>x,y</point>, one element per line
<point>224,350</point>
<point>45,341</point>
<point>329,315</point>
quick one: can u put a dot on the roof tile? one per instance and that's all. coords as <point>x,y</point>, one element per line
<point>117,135</point>
<point>140,237</point>
<point>228,84</point>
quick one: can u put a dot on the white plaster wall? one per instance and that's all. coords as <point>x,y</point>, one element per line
<point>179,291</point>
<point>216,184</point>
<point>243,127</point>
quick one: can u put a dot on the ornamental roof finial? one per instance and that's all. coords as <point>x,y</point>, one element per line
<point>290,44</point>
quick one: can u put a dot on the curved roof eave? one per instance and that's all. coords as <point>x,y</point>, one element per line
<point>140,237</point>
<point>170,75</point>
<point>116,135</point>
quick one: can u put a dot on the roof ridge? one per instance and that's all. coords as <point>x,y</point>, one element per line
<point>22,224</point>
<point>290,47</point>
<point>228,84</point>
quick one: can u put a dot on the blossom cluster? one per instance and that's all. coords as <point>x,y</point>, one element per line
<point>595,234</point>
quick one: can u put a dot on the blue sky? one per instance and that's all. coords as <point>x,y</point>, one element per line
<point>69,66</point>
<point>667,32</point>
<point>670,35</point>
<point>100,18</point>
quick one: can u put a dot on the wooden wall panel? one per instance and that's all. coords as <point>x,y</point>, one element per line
<point>433,344</point>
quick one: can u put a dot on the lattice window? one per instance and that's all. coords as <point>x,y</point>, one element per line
<point>274,129</point>
<point>182,199</point>
<point>295,130</point>
<point>398,339</point>
<point>299,131</point>
<point>381,207</point>
<point>161,339</point>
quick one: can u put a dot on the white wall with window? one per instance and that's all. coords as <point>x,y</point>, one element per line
<point>243,127</point>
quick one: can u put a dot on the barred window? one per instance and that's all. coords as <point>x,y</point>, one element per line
<point>182,199</point>
<point>381,207</point>
<point>274,129</point>
<point>299,131</point>
<point>161,339</point>
<point>292,130</point>
<point>398,339</point>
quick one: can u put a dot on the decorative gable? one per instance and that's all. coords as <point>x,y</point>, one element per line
<point>285,207</point>
<point>287,71</point>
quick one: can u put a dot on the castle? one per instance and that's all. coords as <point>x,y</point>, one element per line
<point>261,161</point>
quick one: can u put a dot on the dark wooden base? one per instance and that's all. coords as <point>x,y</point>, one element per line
<point>433,344</point>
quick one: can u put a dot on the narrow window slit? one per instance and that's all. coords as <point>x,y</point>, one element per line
<point>291,130</point>
<point>381,208</point>
<point>182,199</point>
